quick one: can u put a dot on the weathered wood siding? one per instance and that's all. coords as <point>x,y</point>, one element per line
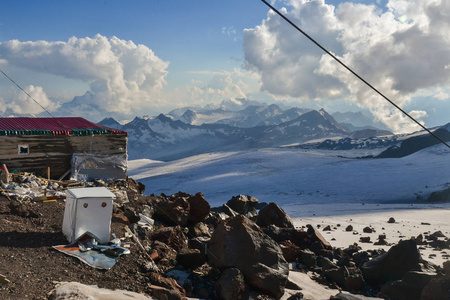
<point>55,151</point>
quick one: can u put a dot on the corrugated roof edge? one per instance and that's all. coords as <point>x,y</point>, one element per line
<point>53,126</point>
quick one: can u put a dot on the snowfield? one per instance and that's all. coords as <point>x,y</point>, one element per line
<point>291,177</point>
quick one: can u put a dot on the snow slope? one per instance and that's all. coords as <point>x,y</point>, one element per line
<point>293,176</point>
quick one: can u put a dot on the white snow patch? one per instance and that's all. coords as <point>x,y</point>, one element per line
<point>288,176</point>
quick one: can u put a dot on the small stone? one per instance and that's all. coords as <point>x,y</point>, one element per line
<point>368,230</point>
<point>391,220</point>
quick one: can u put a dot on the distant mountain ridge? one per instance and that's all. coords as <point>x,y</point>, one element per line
<point>172,136</point>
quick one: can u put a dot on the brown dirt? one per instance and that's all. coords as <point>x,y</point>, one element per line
<point>33,267</point>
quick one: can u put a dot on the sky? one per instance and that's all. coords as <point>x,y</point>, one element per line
<point>140,58</point>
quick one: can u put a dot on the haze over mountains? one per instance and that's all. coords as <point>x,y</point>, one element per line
<point>246,125</point>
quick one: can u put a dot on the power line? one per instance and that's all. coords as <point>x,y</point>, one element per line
<point>354,73</point>
<point>26,93</point>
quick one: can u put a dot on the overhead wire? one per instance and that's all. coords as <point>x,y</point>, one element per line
<point>26,93</point>
<point>354,73</point>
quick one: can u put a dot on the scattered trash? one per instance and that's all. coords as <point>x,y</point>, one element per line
<point>87,249</point>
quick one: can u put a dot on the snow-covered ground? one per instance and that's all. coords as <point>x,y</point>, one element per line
<point>290,177</point>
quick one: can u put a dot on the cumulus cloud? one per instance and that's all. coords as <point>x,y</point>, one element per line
<point>22,104</point>
<point>221,85</point>
<point>123,76</point>
<point>401,50</point>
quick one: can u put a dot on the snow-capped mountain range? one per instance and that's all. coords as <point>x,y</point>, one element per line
<point>249,125</point>
<point>191,131</point>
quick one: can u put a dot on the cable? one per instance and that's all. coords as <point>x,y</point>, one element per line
<point>26,93</point>
<point>354,73</point>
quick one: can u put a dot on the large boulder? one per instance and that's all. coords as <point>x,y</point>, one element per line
<point>244,205</point>
<point>181,209</point>
<point>231,285</point>
<point>240,243</point>
<point>394,264</point>
<point>317,239</point>
<point>272,214</point>
<point>199,208</point>
<point>172,210</point>
<point>171,236</point>
<point>298,237</point>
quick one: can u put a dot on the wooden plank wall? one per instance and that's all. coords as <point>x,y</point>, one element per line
<point>55,151</point>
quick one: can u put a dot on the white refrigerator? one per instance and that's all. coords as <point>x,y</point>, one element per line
<point>88,210</point>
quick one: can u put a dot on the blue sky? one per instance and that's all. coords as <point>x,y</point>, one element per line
<point>145,57</point>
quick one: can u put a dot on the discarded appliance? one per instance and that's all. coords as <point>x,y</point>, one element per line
<point>88,210</point>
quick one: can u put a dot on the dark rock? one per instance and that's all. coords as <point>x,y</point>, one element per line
<point>161,293</point>
<point>437,289</point>
<point>327,228</point>
<point>391,220</point>
<point>199,229</point>
<point>290,250</point>
<point>349,228</point>
<point>231,285</point>
<point>272,214</point>
<point>307,258</point>
<point>132,215</point>
<point>120,218</point>
<point>354,283</point>
<point>243,204</point>
<point>436,235</point>
<point>296,296</point>
<point>199,208</point>
<point>351,249</point>
<point>367,229</point>
<point>191,258</point>
<point>315,236</point>
<point>172,236</point>
<point>200,243</point>
<point>172,210</point>
<point>398,290</point>
<point>348,296</point>
<point>446,267</point>
<point>240,243</point>
<point>392,265</point>
<point>338,253</point>
<point>326,264</point>
<point>292,285</point>
<point>344,262</point>
<point>228,211</point>
<point>138,187</point>
<point>335,275</point>
<point>298,237</point>
<point>166,282</point>
<point>364,239</point>
<point>360,258</point>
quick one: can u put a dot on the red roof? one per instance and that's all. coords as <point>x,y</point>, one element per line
<point>58,126</point>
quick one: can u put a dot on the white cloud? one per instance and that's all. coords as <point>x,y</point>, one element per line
<point>217,87</point>
<point>401,51</point>
<point>123,76</point>
<point>22,104</point>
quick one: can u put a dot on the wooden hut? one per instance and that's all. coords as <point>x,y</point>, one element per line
<point>37,144</point>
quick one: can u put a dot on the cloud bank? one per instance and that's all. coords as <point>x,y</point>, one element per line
<point>402,50</point>
<point>124,77</point>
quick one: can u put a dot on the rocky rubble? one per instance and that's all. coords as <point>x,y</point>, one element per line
<point>246,250</point>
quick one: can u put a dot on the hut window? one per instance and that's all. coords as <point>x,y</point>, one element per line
<point>24,150</point>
